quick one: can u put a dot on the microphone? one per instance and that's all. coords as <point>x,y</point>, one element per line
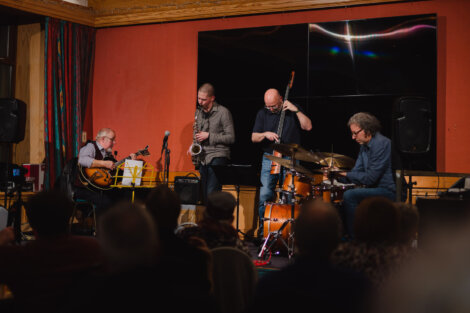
<point>165,141</point>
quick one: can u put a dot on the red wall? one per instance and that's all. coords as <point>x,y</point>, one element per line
<point>145,78</point>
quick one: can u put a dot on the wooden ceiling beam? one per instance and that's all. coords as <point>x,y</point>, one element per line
<point>106,13</point>
<point>54,8</point>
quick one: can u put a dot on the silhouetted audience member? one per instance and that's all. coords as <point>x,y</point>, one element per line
<point>129,240</point>
<point>184,265</point>
<point>216,227</point>
<point>377,250</point>
<point>39,272</point>
<point>437,278</point>
<point>311,281</point>
<point>409,223</point>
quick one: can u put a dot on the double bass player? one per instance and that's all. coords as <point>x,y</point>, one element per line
<point>265,133</point>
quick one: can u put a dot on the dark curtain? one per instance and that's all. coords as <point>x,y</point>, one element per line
<point>69,51</point>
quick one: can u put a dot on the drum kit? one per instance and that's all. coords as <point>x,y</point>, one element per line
<point>300,184</point>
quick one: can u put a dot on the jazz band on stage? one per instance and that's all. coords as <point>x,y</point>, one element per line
<point>277,128</point>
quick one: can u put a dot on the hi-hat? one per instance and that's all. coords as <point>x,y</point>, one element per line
<point>295,151</point>
<point>288,163</point>
<point>335,160</point>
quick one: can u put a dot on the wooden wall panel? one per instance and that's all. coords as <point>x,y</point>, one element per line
<point>30,89</point>
<point>36,100</point>
<point>22,90</point>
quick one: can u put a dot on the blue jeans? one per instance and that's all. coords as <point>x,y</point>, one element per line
<point>353,197</point>
<point>267,190</point>
<point>209,181</point>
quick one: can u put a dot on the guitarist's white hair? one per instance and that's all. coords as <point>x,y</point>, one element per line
<point>103,132</point>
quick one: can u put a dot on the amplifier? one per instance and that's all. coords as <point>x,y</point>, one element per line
<point>188,189</point>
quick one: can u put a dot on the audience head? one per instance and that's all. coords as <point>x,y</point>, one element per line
<point>317,229</point>
<point>49,213</point>
<point>377,221</point>
<point>164,205</point>
<point>128,236</point>
<point>409,222</point>
<point>220,206</point>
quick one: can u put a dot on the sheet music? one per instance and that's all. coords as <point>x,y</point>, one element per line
<point>132,169</point>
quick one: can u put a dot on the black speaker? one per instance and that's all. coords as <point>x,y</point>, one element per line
<point>12,120</point>
<point>413,125</point>
<point>188,189</point>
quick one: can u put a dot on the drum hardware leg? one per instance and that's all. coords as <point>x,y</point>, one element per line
<point>272,238</point>
<point>290,246</point>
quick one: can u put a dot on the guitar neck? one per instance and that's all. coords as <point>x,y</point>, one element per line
<point>140,152</point>
<point>124,160</point>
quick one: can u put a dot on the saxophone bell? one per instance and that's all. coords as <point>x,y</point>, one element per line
<point>195,149</point>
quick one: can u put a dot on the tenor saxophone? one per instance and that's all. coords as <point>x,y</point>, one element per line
<point>195,148</point>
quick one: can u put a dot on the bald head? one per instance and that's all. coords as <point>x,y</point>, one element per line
<point>272,100</point>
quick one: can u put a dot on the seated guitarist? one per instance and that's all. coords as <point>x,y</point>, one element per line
<point>98,154</point>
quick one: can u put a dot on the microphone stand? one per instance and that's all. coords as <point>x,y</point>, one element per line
<point>166,168</point>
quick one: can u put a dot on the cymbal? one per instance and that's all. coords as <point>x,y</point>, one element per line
<point>296,151</point>
<point>335,160</point>
<point>327,170</point>
<point>288,163</point>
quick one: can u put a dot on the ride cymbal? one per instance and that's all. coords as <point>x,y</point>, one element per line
<point>335,160</point>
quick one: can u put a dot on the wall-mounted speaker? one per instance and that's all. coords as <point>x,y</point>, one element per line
<point>12,120</point>
<point>188,189</point>
<point>413,125</point>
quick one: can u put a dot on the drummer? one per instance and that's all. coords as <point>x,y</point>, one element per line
<point>265,132</point>
<point>373,167</point>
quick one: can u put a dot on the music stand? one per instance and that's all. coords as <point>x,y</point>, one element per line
<point>237,174</point>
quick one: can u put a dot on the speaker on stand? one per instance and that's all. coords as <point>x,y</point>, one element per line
<point>12,130</point>
<point>412,132</point>
<point>12,120</point>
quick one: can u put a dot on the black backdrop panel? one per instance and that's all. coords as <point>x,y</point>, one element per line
<point>334,78</point>
<point>242,64</point>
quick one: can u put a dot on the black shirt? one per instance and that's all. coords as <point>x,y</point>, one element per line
<point>268,121</point>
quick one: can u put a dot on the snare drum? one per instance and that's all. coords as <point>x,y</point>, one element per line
<point>322,192</point>
<point>338,191</point>
<point>301,185</point>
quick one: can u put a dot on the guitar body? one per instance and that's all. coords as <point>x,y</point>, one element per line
<point>98,176</point>
<point>102,178</point>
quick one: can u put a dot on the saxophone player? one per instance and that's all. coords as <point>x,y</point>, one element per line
<point>214,132</point>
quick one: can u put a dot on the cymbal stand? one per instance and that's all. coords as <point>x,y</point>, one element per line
<point>274,236</point>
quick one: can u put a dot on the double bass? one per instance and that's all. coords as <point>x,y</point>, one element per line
<point>276,167</point>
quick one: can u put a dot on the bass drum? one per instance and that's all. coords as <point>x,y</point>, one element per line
<point>275,215</point>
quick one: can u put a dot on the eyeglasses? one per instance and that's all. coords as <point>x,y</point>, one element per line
<point>273,107</point>
<point>110,139</point>
<point>356,132</point>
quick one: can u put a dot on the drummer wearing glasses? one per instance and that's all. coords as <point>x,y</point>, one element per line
<point>264,132</point>
<point>373,167</point>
